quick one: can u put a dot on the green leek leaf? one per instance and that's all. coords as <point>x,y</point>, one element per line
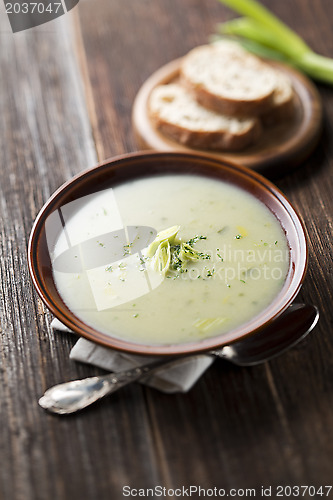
<point>266,35</point>
<point>265,18</point>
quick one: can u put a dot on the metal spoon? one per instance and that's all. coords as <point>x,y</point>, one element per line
<point>284,332</point>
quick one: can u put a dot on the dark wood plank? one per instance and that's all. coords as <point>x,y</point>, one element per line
<point>124,45</point>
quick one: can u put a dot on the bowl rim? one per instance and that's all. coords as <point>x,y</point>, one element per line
<point>256,324</point>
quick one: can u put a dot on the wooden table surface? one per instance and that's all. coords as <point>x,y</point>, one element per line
<point>66,92</point>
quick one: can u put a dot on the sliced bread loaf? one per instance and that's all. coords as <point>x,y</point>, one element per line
<point>176,114</point>
<point>227,79</point>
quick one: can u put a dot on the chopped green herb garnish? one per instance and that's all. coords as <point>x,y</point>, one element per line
<point>109,268</point>
<point>242,281</point>
<point>142,264</point>
<point>135,315</point>
<point>238,236</point>
<point>195,239</point>
<point>182,253</point>
<point>169,254</point>
<point>205,256</point>
<point>127,248</point>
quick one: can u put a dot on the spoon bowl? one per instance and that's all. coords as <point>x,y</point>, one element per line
<point>283,333</point>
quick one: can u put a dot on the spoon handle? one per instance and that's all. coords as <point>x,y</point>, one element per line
<point>70,397</point>
<point>286,331</point>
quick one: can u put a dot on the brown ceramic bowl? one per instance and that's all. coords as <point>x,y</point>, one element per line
<point>124,168</point>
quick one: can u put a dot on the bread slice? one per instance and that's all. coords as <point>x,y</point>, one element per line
<point>283,106</point>
<point>225,78</point>
<point>176,114</point>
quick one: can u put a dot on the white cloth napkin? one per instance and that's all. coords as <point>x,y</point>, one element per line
<point>179,376</point>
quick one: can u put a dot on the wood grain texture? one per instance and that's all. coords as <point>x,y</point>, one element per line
<point>66,98</point>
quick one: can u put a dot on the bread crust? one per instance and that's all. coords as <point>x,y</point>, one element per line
<point>205,71</point>
<point>218,141</point>
<point>283,103</point>
<point>224,139</point>
<point>227,106</point>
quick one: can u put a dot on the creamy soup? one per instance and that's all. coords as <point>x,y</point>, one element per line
<point>120,268</point>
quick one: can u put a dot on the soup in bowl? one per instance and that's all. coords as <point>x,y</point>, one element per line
<point>167,253</point>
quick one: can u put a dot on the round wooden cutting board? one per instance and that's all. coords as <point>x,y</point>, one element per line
<point>280,148</point>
